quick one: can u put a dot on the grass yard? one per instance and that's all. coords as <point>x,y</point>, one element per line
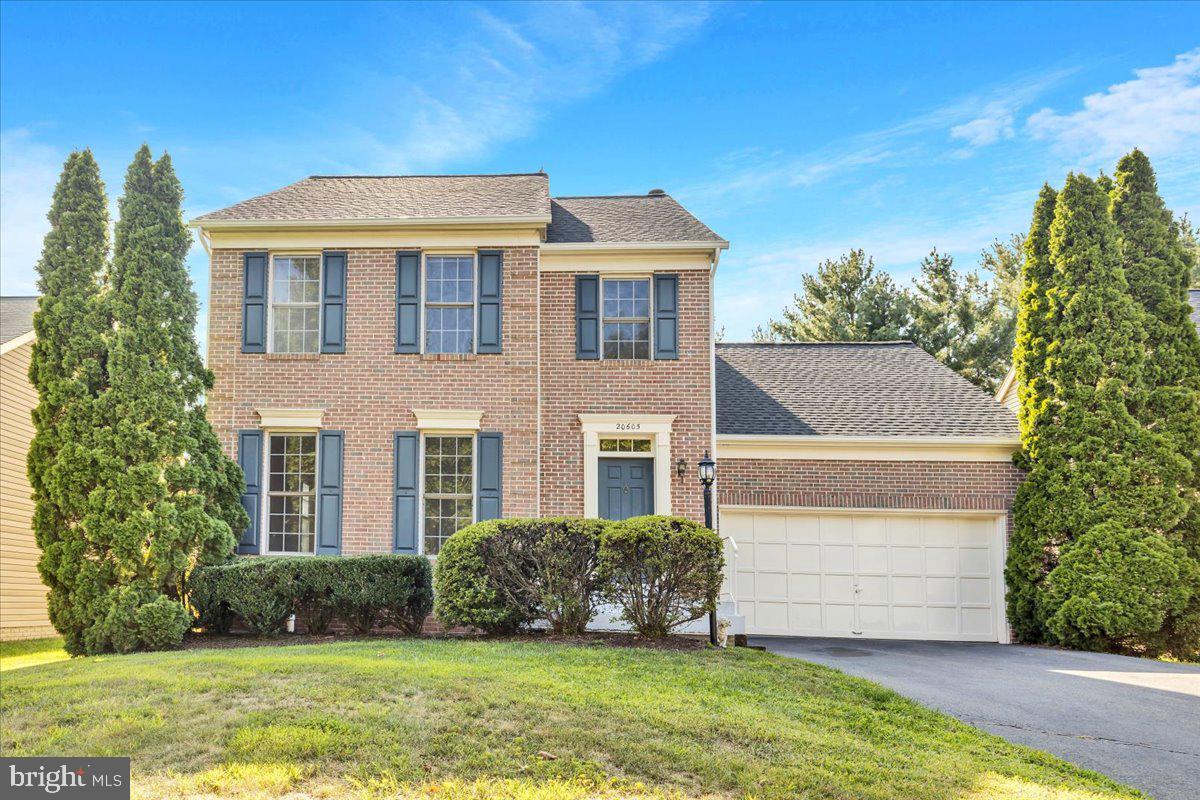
<point>31,652</point>
<point>528,721</point>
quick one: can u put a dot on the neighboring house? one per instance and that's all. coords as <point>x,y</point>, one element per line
<point>399,356</point>
<point>22,594</point>
<point>1007,393</point>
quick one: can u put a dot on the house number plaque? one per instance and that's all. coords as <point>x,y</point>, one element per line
<point>629,426</point>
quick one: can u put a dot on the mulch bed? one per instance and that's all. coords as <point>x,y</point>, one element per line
<point>679,642</point>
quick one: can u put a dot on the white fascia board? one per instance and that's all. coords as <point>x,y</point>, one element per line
<point>13,344</point>
<point>591,247</point>
<point>382,222</point>
<point>869,448</point>
<point>1008,379</point>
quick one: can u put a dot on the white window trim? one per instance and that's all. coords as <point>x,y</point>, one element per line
<point>656,427</point>
<point>320,256</point>
<point>445,422</point>
<point>630,454</point>
<point>421,481</point>
<point>474,256</point>
<point>265,512</point>
<point>630,276</point>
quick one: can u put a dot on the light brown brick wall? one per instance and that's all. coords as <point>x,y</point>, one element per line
<point>370,391</point>
<point>570,387</point>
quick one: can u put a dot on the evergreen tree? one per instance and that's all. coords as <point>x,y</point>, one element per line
<point>166,496</point>
<point>957,319</point>
<point>1156,265</point>
<point>67,370</point>
<point>845,301</point>
<point>1029,553</point>
<point>1105,483</point>
<point>1189,236</point>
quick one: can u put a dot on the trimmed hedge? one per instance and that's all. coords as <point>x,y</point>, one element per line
<point>361,591</point>
<point>502,575</point>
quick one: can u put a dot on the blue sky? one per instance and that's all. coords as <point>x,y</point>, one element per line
<point>795,131</point>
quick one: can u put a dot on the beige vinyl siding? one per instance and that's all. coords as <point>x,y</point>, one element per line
<point>22,594</point>
<point>1009,398</point>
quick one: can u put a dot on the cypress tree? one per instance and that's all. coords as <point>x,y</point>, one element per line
<point>1029,555</point>
<point>67,370</point>
<point>166,497</point>
<point>1104,483</point>
<point>1156,263</point>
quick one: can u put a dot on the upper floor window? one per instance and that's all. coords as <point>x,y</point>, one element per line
<point>449,304</point>
<point>626,322</point>
<point>292,493</point>
<point>295,304</point>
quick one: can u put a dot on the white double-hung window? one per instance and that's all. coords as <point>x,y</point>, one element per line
<point>291,493</point>
<point>449,304</point>
<point>449,469</point>
<point>626,323</point>
<point>295,304</point>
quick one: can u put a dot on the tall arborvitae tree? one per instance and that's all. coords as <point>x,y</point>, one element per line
<point>1107,482</point>
<point>845,301</point>
<point>1029,554</point>
<point>166,497</point>
<point>1157,265</point>
<point>68,371</point>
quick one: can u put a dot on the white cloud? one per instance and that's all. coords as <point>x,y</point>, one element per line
<point>1158,111</point>
<point>28,172</point>
<point>996,123</point>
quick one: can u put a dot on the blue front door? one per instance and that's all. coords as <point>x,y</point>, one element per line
<point>626,487</point>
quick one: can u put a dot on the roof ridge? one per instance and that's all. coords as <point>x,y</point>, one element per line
<point>443,175</point>
<point>810,344</point>
<point>19,296</point>
<point>609,196</point>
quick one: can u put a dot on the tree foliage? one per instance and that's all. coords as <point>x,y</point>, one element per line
<point>845,301</point>
<point>150,493</point>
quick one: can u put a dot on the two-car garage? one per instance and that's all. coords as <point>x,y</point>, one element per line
<point>867,574</point>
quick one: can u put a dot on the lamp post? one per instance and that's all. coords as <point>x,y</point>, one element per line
<point>708,473</point>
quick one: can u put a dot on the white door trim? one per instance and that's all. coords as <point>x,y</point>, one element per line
<point>656,427</point>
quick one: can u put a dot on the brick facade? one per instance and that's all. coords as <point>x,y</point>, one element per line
<point>570,387</point>
<point>369,391</point>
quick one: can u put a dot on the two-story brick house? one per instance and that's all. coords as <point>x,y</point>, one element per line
<point>397,357</point>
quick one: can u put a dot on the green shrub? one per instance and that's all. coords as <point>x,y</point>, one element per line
<point>1114,587</point>
<point>466,593</point>
<point>662,572</point>
<point>162,623</point>
<point>362,591</point>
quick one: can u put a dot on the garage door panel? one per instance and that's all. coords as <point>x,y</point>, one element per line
<point>871,574</point>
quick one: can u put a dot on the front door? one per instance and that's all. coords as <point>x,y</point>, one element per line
<point>626,487</point>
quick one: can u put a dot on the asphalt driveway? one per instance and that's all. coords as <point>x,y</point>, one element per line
<point>1135,720</point>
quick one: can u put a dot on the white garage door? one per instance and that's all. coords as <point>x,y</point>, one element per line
<point>888,575</point>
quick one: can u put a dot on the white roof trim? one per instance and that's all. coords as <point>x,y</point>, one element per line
<point>13,344</point>
<point>1008,379</point>
<point>448,419</point>
<point>381,222</point>
<point>868,448</point>
<point>306,418</point>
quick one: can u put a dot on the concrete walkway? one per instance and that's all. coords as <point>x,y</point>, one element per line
<point>1135,720</point>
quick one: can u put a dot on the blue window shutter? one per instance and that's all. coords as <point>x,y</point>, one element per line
<point>254,303</point>
<point>490,463</point>
<point>406,475</point>
<point>491,263</point>
<point>408,301</point>
<point>249,456</point>
<point>666,316</point>
<point>329,493</point>
<point>333,303</point>
<point>587,316</point>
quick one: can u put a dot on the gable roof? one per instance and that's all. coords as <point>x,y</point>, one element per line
<point>654,217</point>
<point>870,389</point>
<point>16,317</point>
<point>334,198</point>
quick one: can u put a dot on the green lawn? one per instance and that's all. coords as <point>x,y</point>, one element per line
<point>31,652</point>
<point>528,721</point>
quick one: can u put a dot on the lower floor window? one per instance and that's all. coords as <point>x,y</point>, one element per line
<point>449,487</point>
<point>292,493</point>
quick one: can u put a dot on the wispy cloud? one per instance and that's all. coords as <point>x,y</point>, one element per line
<point>997,122</point>
<point>1158,111</point>
<point>28,171</point>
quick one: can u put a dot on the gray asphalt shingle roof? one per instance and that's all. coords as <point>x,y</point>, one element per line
<point>849,389</point>
<point>16,317</point>
<point>367,197</point>
<point>624,218</point>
